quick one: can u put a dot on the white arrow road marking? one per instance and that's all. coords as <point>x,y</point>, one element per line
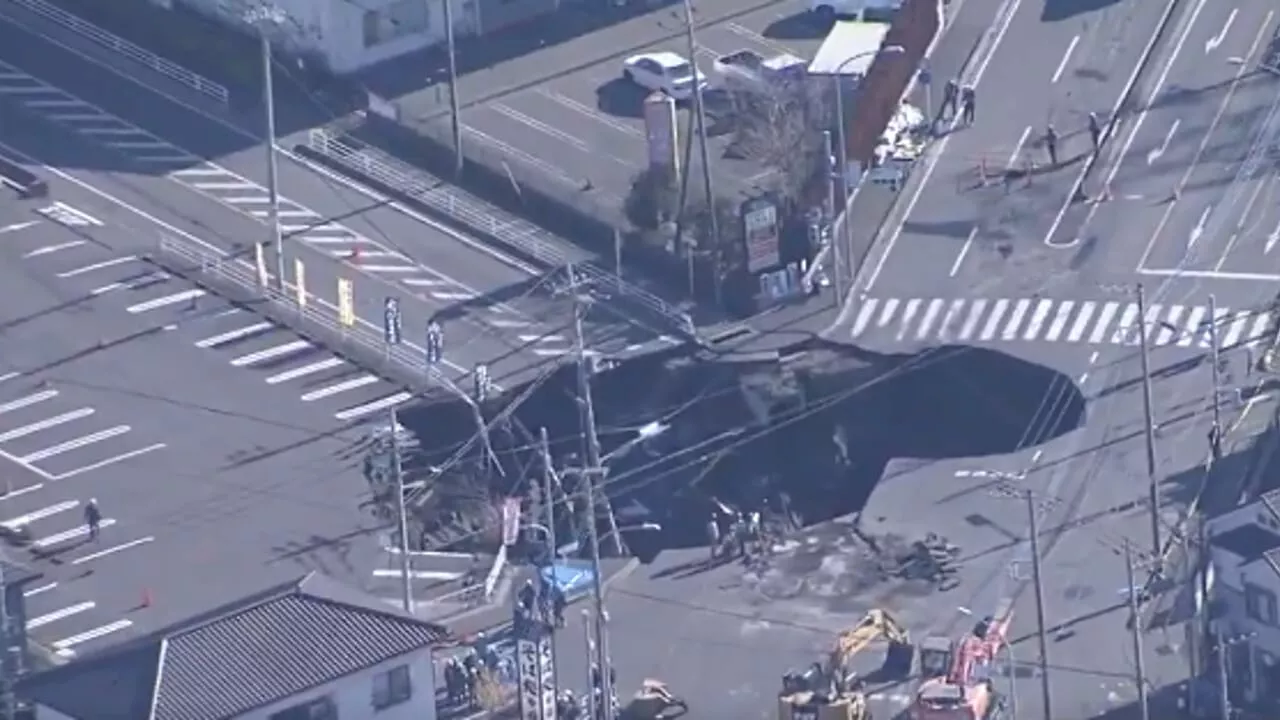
<point>1213,42</point>
<point>1155,153</point>
<point>18,226</point>
<point>1198,230</point>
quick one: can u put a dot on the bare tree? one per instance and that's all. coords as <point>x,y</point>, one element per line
<point>779,125</point>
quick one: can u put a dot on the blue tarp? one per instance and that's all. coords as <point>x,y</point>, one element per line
<point>571,579</point>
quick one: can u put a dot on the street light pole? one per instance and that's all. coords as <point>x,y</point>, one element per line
<point>455,106</point>
<point>1215,356</point>
<point>1148,419</point>
<point>700,115</point>
<point>276,238</point>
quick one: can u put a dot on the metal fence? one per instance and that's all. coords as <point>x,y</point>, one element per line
<point>515,232</point>
<point>132,51</point>
<point>237,279</point>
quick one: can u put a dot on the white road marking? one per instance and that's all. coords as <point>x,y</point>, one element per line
<point>309,369</point>
<point>908,314</point>
<point>56,615</point>
<point>1020,309</point>
<point>373,407</point>
<point>9,376</point>
<point>341,387</point>
<point>110,461</point>
<point>1060,319</point>
<point>71,534</point>
<point>1216,41</point>
<point>49,249</point>
<point>1066,58</point>
<point>930,313</point>
<point>41,589</point>
<point>63,646</point>
<point>184,296</point>
<point>45,424</point>
<point>21,491</point>
<point>75,443</point>
<point>1156,152</point>
<point>112,550</point>
<point>865,313</point>
<point>15,227</point>
<point>27,401</point>
<point>97,266</point>
<point>42,513</point>
<point>271,352</point>
<point>231,335</point>
<point>1194,328</point>
<point>419,574</point>
<point>1104,322</point>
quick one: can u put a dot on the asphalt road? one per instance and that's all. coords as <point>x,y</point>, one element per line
<point>235,479</point>
<point>1191,177</point>
<point>963,235</point>
<point>376,245</point>
<point>558,110</point>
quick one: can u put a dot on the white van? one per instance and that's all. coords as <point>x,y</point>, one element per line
<point>861,10</point>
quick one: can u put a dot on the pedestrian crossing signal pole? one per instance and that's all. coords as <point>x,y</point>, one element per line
<point>402,515</point>
<point>1148,418</point>
<point>1215,356</point>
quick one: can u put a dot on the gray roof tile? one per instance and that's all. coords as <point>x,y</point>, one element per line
<point>255,652</point>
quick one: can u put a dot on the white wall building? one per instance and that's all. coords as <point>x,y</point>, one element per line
<point>351,34</point>
<point>309,650</point>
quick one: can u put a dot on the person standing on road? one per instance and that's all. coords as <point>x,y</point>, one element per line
<point>1051,144</point>
<point>968,103</point>
<point>950,93</point>
<point>1095,131</point>
<point>93,518</point>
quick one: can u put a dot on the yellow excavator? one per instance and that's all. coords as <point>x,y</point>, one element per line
<point>829,690</point>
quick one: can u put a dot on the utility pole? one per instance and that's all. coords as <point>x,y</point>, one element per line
<point>402,516</point>
<point>1215,356</point>
<point>1224,697</point>
<point>591,474</point>
<point>837,262</point>
<point>12,655</point>
<point>1042,634</point>
<point>1153,486</point>
<point>701,118</point>
<point>547,498</point>
<point>1139,662</point>
<point>455,106</point>
<point>276,238</point>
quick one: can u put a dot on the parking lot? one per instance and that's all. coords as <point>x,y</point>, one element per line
<point>582,127</point>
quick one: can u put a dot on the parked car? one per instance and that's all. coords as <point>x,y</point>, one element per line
<point>749,71</point>
<point>860,10</point>
<point>664,72</point>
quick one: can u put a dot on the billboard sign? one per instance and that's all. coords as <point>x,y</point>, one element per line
<point>760,231</point>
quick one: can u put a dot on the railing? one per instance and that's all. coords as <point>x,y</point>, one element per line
<point>525,237</point>
<point>114,42</point>
<point>316,320</point>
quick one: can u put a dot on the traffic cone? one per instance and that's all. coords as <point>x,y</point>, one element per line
<point>355,254</point>
<point>146,598</point>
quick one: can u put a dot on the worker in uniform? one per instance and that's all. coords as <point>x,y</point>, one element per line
<point>435,343</point>
<point>968,103</point>
<point>713,535</point>
<point>1051,144</point>
<point>93,518</point>
<point>950,94</point>
<point>1095,131</point>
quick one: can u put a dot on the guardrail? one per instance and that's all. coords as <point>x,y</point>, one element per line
<point>236,277</point>
<point>113,42</point>
<point>520,235</point>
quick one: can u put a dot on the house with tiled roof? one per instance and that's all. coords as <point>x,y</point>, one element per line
<point>312,649</point>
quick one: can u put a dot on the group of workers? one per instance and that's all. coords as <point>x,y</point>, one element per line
<point>462,677</point>
<point>545,601</point>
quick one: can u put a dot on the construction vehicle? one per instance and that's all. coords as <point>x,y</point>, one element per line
<point>829,690</point>
<point>965,689</point>
<point>653,701</point>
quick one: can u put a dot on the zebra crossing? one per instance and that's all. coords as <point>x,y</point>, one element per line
<point>1088,322</point>
<point>227,187</point>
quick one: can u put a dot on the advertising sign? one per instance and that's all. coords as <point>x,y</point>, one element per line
<point>346,302</point>
<point>536,674</point>
<point>760,232</point>
<point>660,131</point>
<point>300,282</point>
<point>392,324</point>
<point>510,521</point>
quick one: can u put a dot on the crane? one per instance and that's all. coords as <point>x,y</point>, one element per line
<point>965,691</point>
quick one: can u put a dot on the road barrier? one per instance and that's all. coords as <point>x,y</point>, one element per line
<point>514,233</point>
<point>26,183</point>
<point>132,51</point>
<point>236,279</point>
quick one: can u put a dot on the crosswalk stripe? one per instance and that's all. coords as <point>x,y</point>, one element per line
<point>166,300</point>
<point>308,369</point>
<point>341,387</point>
<point>1060,321</point>
<point>1169,329</point>
<point>908,314</point>
<point>1149,322</point>
<point>975,315</point>
<point>1037,319</point>
<point>1125,326</point>
<point>886,315</point>
<point>865,313</point>
<point>1235,329</point>
<point>1194,327</point>
<point>1260,327</point>
<point>1104,322</point>
<point>953,314</point>
<point>930,313</point>
<point>993,321</point>
<point>1219,321</point>
<point>1015,319</point>
<point>372,407</point>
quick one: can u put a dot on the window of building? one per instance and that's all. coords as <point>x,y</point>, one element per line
<point>1260,603</point>
<point>396,20</point>
<point>322,708</point>
<point>392,687</point>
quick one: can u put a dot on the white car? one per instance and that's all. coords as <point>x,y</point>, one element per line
<point>664,72</point>
<point>860,10</point>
